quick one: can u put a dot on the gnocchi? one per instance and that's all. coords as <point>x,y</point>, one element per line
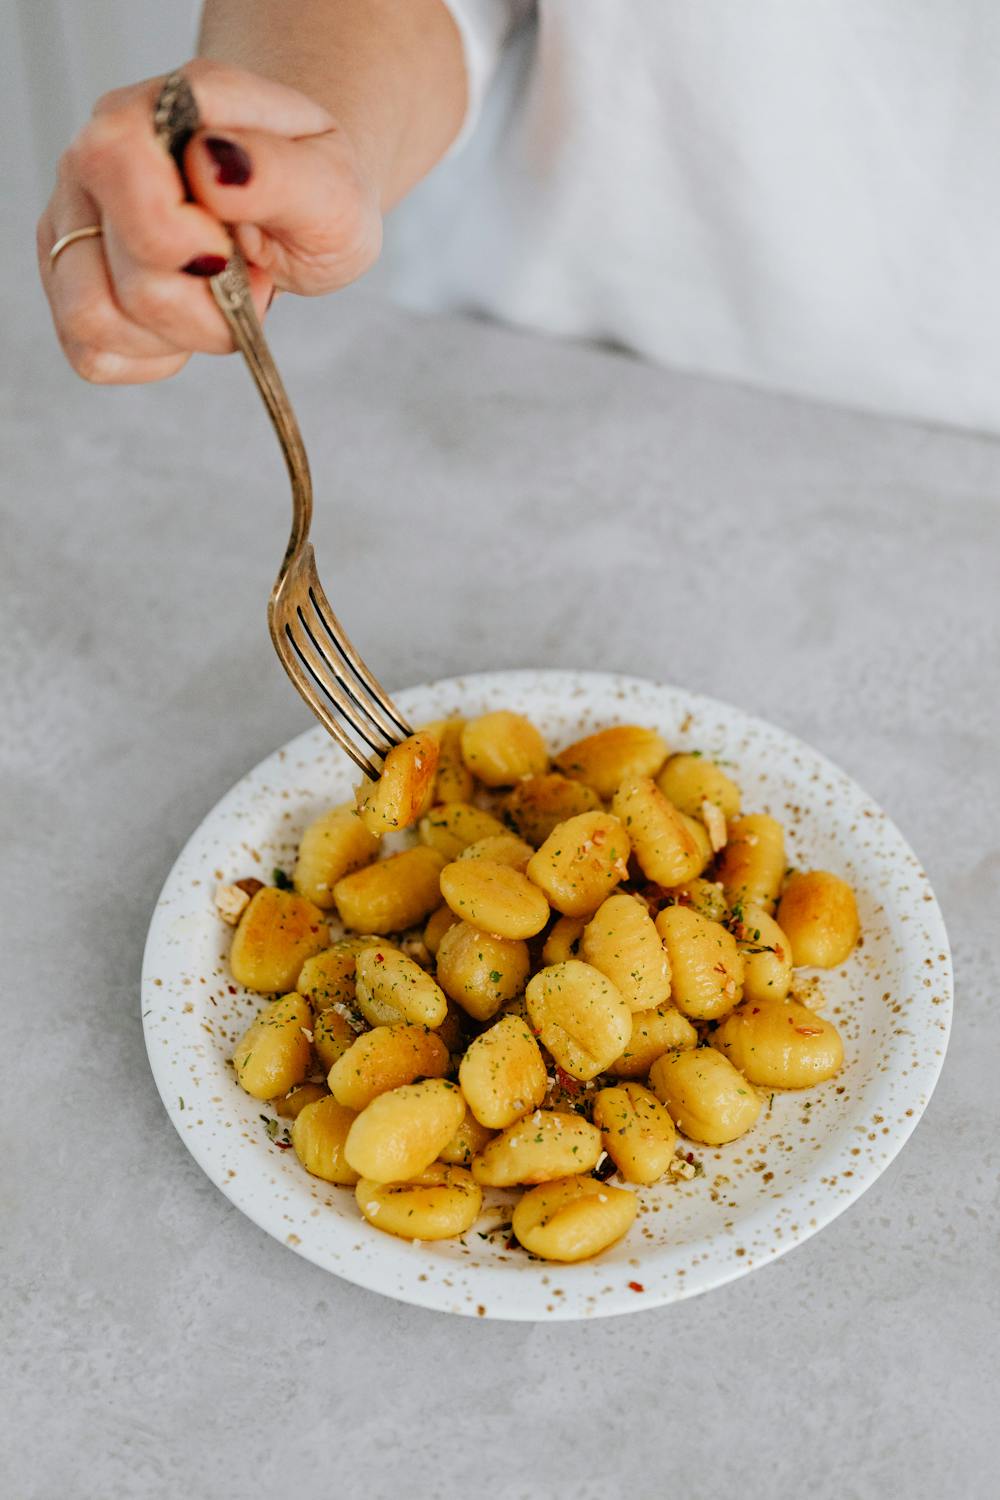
<point>546,1144</point>
<point>480,972</point>
<point>278,931</point>
<point>605,759</point>
<point>780,1044</point>
<point>384,1059</point>
<point>579,1016</point>
<point>573,1218</point>
<point>819,915</point>
<point>636,1131</point>
<point>707,1098</point>
<point>502,1074</point>
<point>393,894</point>
<point>622,941</point>
<point>331,847</point>
<point>402,1131</point>
<point>437,1203</point>
<point>401,793</point>
<point>318,1138</point>
<point>667,847</point>
<point>581,862</point>
<point>536,1003</point>
<point>501,747</point>
<point>494,898</point>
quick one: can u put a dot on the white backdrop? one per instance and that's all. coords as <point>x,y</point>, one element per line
<point>57,56</point>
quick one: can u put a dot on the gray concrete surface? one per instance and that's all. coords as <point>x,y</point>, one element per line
<point>485,500</point>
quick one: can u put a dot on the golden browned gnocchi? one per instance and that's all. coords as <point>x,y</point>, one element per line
<point>502,848</point>
<point>689,781</point>
<point>393,894</point>
<point>767,955</point>
<point>401,793</point>
<point>540,803</point>
<point>653,1033</point>
<point>329,977</point>
<point>573,1218</point>
<point>707,1098</point>
<point>503,1073</point>
<point>501,747</point>
<point>579,1016</point>
<point>438,1203</point>
<point>390,988</point>
<point>819,915</point>
<point>597,980</point>
<point>333,1033</point>
<point>667,847</point>
<point>453,779</point>
<point>453,826</point>
<point>292,1105</point>
<point>273,1055</point>
<point>581,862</point>
<point>318,1137</point>
<point>706,965</point>
<point>401,1132</point>
<point>277,933</point>
<point>331,848</point>
<point>468,1140</point>
<point>385,1059</point>
<point>605,759</point>
<point>546,1144</point>
<point>622,941</point>
<point>481,973</point>
<point>780,1044</point>
<point>752,865</point>
<point>494,898</point>
<point>636,1131</point>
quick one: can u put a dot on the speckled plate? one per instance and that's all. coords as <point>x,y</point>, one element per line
<point>810,1155</point>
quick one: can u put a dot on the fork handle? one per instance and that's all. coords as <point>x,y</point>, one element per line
<point>175,120</point>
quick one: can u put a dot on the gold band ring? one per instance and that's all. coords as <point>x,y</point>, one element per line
<point>88,232</point>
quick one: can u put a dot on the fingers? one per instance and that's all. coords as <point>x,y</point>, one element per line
<point>99,340</point>
<point>176,307</point>
<point>302,210</point>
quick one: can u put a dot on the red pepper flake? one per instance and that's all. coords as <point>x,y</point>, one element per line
<point>636,1286</point>
<point>380,958</point>
<point>567,1081</point>
<point>690,1158</point>
<point>283,1145</point>
<point>249,887</point>
<point>231,988</point>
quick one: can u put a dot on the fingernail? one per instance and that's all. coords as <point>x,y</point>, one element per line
<point>233,167</point>
<point>206,265</point>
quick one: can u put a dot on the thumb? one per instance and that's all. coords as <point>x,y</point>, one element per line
<point>301,208</point>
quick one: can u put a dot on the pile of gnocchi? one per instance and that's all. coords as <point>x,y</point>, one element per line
<point>577,960</point>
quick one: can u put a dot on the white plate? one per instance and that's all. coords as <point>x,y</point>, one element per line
<point>810,1155</point>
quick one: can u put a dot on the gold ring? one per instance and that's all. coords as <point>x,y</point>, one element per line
<point>88,232</point>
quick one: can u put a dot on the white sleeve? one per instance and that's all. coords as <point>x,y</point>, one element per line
<point>484,26</point>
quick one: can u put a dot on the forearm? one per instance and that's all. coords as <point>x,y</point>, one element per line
<point>390,72</point>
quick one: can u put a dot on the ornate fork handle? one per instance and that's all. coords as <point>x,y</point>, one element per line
<point>175,120</point>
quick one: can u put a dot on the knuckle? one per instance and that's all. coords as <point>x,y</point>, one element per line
<point>96,366</point>
<point>152,303</point>
<point>88,322</point>
<point>94,147</point>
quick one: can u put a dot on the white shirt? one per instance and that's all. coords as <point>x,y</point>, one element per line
<point>799,194</point>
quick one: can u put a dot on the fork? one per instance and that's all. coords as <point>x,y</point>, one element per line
<point>312,645</point>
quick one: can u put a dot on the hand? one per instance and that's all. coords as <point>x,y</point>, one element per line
<point>270,163</point>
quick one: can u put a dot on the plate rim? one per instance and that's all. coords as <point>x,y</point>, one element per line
<point>427,1294</point>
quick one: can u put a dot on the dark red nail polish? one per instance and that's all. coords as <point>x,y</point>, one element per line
<point>206,265</point>
<point>232,164</point>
